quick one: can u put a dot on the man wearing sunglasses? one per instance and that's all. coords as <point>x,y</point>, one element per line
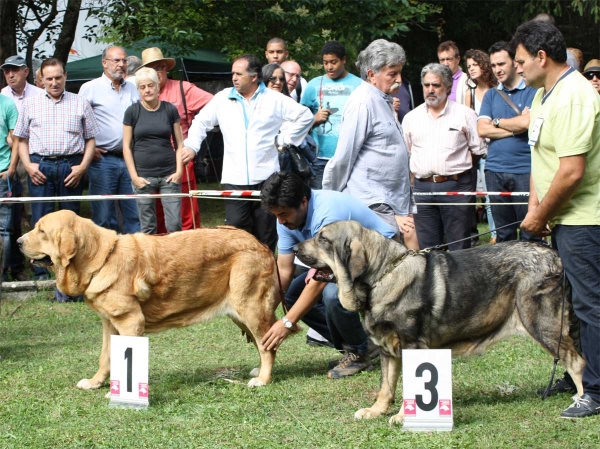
<point>442,137</point>
<point>110,95</point>
<point>592,73</point>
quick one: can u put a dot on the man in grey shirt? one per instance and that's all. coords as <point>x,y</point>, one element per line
<point>371,158</point>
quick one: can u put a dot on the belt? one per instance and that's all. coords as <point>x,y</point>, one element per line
<point>116,153</point>
<point>444,178</point>
<point>57,157</point>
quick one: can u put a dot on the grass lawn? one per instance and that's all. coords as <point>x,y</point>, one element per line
<point>46,348</point>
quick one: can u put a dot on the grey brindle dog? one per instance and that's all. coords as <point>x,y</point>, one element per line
<point>464,301</point>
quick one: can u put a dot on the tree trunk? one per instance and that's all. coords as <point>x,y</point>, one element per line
<point>8,36</point>
<point>67,33</point>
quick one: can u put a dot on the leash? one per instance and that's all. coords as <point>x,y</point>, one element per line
<point>431,248</point>
<point>562,319</point>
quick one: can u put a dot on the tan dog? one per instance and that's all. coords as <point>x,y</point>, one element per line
<point>141,283</point>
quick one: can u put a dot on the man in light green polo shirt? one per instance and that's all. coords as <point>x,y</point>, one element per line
<point>564,134</point>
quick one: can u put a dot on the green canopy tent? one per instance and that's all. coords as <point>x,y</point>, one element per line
<point>200,64</point>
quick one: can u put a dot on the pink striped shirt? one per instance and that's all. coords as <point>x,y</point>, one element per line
<point>442,145</point>
<point>56,128</point>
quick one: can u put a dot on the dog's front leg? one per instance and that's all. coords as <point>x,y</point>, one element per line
<point>390,371</point>
<point>104,365</point>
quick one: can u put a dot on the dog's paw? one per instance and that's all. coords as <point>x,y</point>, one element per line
<point>366,413</point>
<point>256,382</point>
<point>86,384</point>
<point>107,395</point>
<point>397,419</point>
<point>255,372</point>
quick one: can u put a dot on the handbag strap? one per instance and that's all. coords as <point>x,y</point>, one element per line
<point>513,106</point>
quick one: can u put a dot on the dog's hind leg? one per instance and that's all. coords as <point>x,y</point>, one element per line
<point>390,372</point>
<point>544,327</point>
<point>104,364</point>
<point>262,375</point>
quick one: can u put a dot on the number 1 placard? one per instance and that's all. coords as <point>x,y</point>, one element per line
<point>128,371</point>
<point>427,389</point>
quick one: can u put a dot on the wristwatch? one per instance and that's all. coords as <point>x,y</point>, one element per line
<point>496,122</point>
<point>287,323</point>
<point>281,148</point>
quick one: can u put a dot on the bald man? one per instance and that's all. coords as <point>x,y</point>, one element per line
<point>293,77</point>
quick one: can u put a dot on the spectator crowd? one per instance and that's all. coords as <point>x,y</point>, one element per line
<point>523,117</point>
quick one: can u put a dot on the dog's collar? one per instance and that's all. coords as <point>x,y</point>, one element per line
<point>410,252</point>
<point>107,256</point>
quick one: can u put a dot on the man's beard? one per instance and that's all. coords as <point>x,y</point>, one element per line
<point>435,100</point>
<point>117,76</point>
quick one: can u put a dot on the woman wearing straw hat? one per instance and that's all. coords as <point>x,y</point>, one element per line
<point>189,100</point>
<point>592,73</point>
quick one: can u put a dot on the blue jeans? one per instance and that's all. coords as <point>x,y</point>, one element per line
<point>507,213</point>
<point>55,171</point>
<point>6,220</point>
<point>488,208</point>
<point>318,167</point>
<point>147,206</point>
<point>109,176</point>
<point>338,325</point>
<point>579,250</point>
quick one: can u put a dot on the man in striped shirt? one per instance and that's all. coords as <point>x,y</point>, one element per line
<point>441,136</point>
<point>56,143</point>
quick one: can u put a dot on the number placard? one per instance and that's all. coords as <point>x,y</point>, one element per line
<point>427,389</point>
<point>128,371</point>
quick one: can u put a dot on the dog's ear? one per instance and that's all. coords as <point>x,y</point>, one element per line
<point>350,263</point>
<point>356,259</point>
<point>67,246</point>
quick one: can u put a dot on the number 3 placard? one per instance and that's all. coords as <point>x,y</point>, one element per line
<point>128,371</point>
<point>427,389</point>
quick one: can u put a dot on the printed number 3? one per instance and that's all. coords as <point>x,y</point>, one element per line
<point>429,386</point>
<point>129,358</point>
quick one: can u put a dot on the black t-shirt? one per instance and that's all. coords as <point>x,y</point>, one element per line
<point>153,153</point>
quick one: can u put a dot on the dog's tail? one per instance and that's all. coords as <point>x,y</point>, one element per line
<point>574,329</point>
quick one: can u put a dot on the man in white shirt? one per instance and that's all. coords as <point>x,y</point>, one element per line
<point>250,117</point>
<point>441,136</point>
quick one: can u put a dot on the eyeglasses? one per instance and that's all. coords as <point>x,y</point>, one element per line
<point>293,75</point>
<point>591,75</point>
<point>159,68</point>
<point>273,79</point>
<point>434,85</point>
<point>117,60</point>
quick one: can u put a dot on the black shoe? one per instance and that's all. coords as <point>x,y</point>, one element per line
<point>322,343</point>
<point>582,407</point>
<point>560,386</point>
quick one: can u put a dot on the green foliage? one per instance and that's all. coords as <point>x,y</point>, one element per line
<point>244,26</point>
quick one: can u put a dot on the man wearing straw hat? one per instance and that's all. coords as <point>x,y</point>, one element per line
<point>189,100</point>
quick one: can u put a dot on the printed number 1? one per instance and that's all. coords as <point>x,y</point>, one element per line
<point>430,386</point>
<point>129,358</point>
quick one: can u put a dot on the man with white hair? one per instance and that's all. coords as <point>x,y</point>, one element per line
<point>371,159</point>
<point>441,136</point>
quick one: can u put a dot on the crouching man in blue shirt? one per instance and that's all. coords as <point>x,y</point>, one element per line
<point>301,213</point>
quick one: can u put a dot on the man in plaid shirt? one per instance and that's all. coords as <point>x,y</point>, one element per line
<point>56,143</point>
